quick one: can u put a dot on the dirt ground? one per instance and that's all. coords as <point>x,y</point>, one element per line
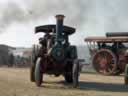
<point>15,82</point>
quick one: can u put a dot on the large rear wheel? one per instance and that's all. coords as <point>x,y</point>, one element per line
<point>33,63</point>
<point>38,73</point>
<point>75,73</point>
<point>104,62</point>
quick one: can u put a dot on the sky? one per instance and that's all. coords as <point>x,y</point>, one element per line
<point>18,19</point>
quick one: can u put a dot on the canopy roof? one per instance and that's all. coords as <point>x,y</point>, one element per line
<point>106,39</point>
<point>50,28</point>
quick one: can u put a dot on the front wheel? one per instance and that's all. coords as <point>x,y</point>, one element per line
<point>38,73</point>
<point>68,77</point>
<point>126,75</point>
<point>75,73</point>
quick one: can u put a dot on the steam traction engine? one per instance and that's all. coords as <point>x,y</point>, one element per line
<point>109,55</point>
<point>55,56</point>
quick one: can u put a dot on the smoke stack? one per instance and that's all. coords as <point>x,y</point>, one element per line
<point>59,27</point>
<point>117,34</point>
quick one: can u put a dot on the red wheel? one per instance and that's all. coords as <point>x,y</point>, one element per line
<point>104,62</point>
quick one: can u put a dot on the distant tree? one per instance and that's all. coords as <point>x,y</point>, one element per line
<point>0,61</point>
<point>11,60</point>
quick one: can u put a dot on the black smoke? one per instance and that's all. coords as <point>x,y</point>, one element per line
<point>30,10</point>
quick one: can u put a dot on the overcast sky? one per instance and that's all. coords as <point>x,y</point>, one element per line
<point>90,17</point>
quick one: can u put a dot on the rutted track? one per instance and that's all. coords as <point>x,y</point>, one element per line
<point>15,82</point>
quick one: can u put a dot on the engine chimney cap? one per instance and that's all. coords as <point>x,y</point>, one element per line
<point>60,16</point>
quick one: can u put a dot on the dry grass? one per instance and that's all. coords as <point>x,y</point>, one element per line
<point>15,82</point>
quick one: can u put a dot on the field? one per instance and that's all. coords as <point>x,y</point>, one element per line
<point>15,82</point>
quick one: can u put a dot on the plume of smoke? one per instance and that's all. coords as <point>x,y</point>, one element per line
<point>43,9</point>
<point>73,9</point>
<point>93,15</point>
<point>12,12</point>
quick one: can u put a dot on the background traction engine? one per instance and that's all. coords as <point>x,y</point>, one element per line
<point>109,55</point>
<point>55,56</point>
